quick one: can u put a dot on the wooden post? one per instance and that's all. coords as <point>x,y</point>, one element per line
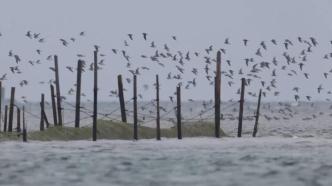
<point>41,127</point>
<point>78,94</point>
<point>95,96</point>
<point>135,108</point>
<point>0,104</point>
<point>11,109</point>
<point>18,120</point>
<point>24,127</point>
<point>178,111</point>
<point>57,86</point>
<point>55,119</point>
<point>45,119</point>
<point>121,99</point>
<point>158,108</point>
<point>5,119</point>
<point>257,114</point>
<point>239,130</point>
<point>217,95</point>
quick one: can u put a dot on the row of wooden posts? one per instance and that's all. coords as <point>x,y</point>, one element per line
<point>57,108</point>
<point>9,115</point>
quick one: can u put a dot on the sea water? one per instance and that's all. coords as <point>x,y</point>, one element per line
<point>293,147</point>
<point>191,161</point>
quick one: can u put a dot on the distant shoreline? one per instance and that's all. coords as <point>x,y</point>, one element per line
<point>112,130</point>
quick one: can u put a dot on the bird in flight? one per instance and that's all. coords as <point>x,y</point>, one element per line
<point>64,42</point>
<point>144,36</point>
<point>130,36</point>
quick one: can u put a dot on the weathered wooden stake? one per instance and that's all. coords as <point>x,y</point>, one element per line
<point>239,130</point>
<point>46,120</point>
<point>178,111</point>
<point>217,95</point>
<point>135,108</point>
<point>158,108</point>
<point>55,117</point>
<point>257,114</point>
<point>41,127</point>
<point>18,120</point>
<point>25,139</point>
<point>0,105</point>
<point>78,94</point>
<point>95,96</point>
<point>57,86</point>
<point>121,99</point>
<point>5,119</point>
<point>11,109</point>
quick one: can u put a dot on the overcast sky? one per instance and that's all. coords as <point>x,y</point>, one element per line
<point>196,23</point>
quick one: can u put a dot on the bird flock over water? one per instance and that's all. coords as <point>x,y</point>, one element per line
<point>264,63</point>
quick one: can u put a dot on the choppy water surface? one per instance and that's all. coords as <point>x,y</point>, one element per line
<point>192,161</point>
<point>294,147</point>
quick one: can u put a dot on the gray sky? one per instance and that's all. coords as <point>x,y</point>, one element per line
<point>196,23</point>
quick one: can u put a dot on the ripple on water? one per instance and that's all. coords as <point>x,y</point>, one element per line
<point>201,161</point>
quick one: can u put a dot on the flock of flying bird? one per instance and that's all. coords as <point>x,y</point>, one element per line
<point>182,64</point>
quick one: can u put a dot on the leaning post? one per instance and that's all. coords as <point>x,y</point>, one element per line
<point>257,114</point>
<point>57,86</point>
<point>121,99</point>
